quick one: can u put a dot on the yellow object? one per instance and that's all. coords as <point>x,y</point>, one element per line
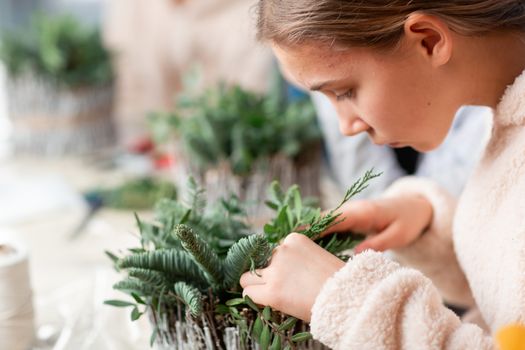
<point>511,337</point>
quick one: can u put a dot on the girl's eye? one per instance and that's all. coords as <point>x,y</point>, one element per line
<point>346,95</point>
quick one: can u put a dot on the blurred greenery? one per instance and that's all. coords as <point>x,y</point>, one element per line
<point>135,194</point>
<point>57,49</point>
<point>229,123</point>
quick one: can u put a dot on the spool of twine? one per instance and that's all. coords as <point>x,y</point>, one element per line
<point>16,307</point>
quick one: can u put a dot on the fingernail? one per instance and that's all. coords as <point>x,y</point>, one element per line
<point>358,249</point>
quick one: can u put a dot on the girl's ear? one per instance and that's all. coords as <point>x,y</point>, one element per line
<point>430,36</point>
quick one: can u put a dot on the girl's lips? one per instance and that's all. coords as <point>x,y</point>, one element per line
<point>397,145</point>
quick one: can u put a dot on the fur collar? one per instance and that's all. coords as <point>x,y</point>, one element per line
<point>511,109</point>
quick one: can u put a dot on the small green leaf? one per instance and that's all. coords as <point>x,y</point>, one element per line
<point>138,221</point>
<point>222,309</point>
<point>112,256</point>
<point>160,303</point>
<point>265,338</point>
<point>234,312</point>
<point>268,229</point>
<point>267,313</point>
<point>276,191</point>
<point>118,303</point>
<point>235,302</point>
<point>137,298</point>
<point>298,204</point>
<point>272,205</point>
<point>291,219</point>
<point>282,219</point>
<point>257,329</point>
<point>153,336</point>
<point>303,336</point>
<point>287,324</point>
<point>135,314</point>
<point>250,303</point>
<point>185,217</point>
<point>276,343</point>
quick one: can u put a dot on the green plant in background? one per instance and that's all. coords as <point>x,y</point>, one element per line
<point>228,123</point>
<point>192,258</point>
<point>135,194</point>
<point>57,49</point>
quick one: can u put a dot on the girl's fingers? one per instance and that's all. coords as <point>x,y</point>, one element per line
<point>252,278</point>
<point>257,293</point>
<point>387,239</point>
<point>359,216</point>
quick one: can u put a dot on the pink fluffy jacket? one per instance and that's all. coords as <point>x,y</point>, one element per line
<point>473,255</point>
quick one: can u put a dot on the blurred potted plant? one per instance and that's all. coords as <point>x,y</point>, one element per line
<point>59,87</point>
<point>185,275</point>
<point>232,140</point>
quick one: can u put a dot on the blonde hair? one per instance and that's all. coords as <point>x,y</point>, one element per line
<point>378,23</point>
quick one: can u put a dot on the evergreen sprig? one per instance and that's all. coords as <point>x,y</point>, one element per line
<point>149,277</point>
<point>247,254</point>
<point>202,253</point>
<point>135,285</point>
<point>190,296</point>
<point>174,264</point>
<point>319,225</point>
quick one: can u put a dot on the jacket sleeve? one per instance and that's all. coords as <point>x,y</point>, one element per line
<point>374,303</point>
<point>433,252</point>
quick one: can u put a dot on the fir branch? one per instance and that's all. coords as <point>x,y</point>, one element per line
<point>202,253</point>
<point>176,265</point>
<point>149,277</point>
<point>191,297</point>
<point>248,253</point>
<point>135,285</point>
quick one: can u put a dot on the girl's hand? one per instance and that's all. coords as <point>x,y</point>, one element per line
<point>297,271</point>
<point>389,223</point>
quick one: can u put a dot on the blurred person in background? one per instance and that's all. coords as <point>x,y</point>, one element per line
<point>158,42</point>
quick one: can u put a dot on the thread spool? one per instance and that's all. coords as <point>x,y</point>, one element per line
<point>16,306</point>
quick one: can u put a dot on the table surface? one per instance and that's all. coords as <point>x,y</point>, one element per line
<point>72,277</point>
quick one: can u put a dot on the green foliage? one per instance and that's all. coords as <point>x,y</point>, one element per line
<point>136,194</point>
<point>176,265</point>
<point>60,50</point>
<point>248,253</point>
<point>190,296</point>
<point>194,255</point>
<point>229,124</point>
<point>202,253</point>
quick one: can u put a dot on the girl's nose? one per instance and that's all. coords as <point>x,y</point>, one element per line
<point>352,126</point>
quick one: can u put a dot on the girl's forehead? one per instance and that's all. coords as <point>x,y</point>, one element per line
<point>308,64</point>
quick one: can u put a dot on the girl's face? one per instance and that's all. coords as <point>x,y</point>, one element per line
<point>399,98</point>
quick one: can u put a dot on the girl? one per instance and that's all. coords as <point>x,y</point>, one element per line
<point>399,70</point>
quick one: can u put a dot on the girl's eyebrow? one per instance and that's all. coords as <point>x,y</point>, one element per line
<point>319,86</point>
